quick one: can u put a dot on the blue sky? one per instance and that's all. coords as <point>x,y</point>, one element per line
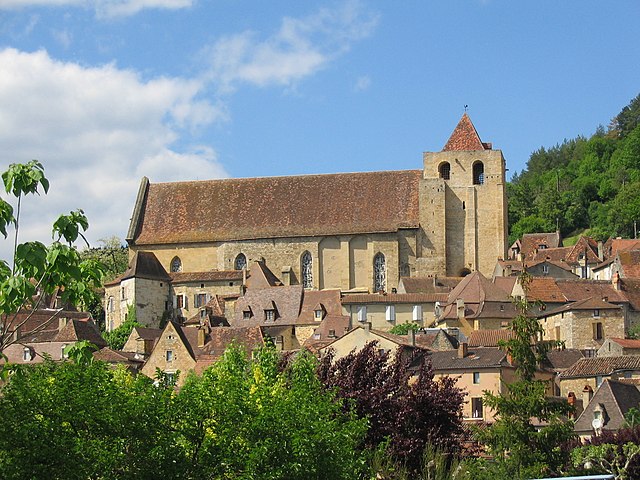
<point>103,92</point>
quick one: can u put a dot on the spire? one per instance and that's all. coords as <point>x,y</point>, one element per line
<point>465,137</point>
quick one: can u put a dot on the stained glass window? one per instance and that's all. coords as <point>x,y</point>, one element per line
<point>241,262</point>
<point>306,270</point>
<point>379,273</point>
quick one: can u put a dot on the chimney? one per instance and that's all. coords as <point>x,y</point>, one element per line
<point>201,337</point>
<point>62,322</point>
<point>615,281</point>
<point>411,334</point>
<point>507,270</point>
<point>286,275</point>
<point>460,307</point>
<point>587,395</point>
<point>600,250</point>
<point>463,349</point>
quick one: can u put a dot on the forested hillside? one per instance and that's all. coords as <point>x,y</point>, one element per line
<point>584,185</point>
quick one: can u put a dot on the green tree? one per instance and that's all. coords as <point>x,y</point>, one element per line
<point>520,449</point>
<point>404,328</point>
<point>38,270</point>
<point>118,336</point>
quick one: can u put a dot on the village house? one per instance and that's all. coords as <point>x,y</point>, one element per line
<point>613,347</point>
<point>587,374</point>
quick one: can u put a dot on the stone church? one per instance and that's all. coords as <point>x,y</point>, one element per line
<point>356,232</point>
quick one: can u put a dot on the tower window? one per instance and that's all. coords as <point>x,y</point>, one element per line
<point>306,270</point>
<point>176,264</point>
<point>240,262</point>
<point>478,173</point>
<point>445,170</point>
<point>379,273</point>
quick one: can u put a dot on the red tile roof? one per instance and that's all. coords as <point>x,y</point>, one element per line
<point>626,342</point>
<point>211,276</point>
<point>488,338</point>
<point>429,284</point>
<point>464,137</point>
<point>630,263</point>
<point>413,298</point>
<point>532,241</point>
<point>591,367</point>
<point>273,207</point>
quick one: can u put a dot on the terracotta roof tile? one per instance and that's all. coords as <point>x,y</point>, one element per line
<point>210,276</point>
<point>488,338</point>
<point>630,263</point>
<point>429,284</point>
<point>626,342</point>
<point>545,289</point>
<point>273,207</point>
<point>591,367</point>
<point>617,398</point>
<point>480,357</point>
<point>532,241</point>
<point>143,265</point>
<point>563,359</point>
<point>220,338</point>
<point>464,137</point>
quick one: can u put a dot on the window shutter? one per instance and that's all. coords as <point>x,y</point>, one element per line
<point>175,302</point>
<point>186,305</point>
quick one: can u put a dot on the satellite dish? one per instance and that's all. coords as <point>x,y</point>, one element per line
<point>596,423</point>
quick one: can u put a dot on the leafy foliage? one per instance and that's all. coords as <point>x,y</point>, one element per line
<point>582,184</point>
<point>404,328</point>
<point>521,450</point>
<point>40,270</point>
<point>405,412</point>
<point>118,336</point>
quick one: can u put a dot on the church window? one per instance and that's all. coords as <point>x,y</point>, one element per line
<point>176,264</point>
<point>306,269</point>
<point>379,273</point>
<point>445,170</point>
<point>240,262</point>
<point>478,173</point>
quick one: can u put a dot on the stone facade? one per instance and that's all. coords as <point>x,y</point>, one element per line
<point>420,222</point>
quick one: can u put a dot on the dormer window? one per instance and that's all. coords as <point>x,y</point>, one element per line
<point>26,354</point>
<point>318,314</point>
<point>332,334</point>
<point>596,313</point>
<point>247,314</point>
<point>270,315</point>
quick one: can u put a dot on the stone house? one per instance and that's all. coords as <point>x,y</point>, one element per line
<point>478,369</point>
<point>185,349</point>
<point>613,347</point>
<point>141,341</point>
<point>53,338</point>
<point>607,408</point>
<point>348,231</point>
<point>476,304</point>
<point>384,311</point>
<point>525,248</point>
<point>587,374</point>
<point>584,324</point>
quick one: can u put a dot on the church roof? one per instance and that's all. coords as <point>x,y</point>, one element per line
<point>465,137</point>
<point>275,207</point>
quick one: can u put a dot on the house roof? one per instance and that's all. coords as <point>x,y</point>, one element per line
<point>545,289</point>
<point>615,245</point>
<point>617,398</point>
<point>143,265</point>
<point>488,338</point>
<point>626,342</point>
<point>336,324</point>
<point>590,303</point>
<point>108,355</point>
<point>287,300</point>
<point>531,242</point>
<point>145,333</point>
<point>465,137</point>
<point>274,207</point>
<point>389,298</point>
<point>220,338</point>
<point>312,299</point>
<point>630,263</point>
<point>591,367</point>
<point>579,289</point>
<point>433,284</point>
<point>210,276</point>
<point>260,276</point>
<point>563,358</point>
<point>76,330</point>
<point>479,357</point>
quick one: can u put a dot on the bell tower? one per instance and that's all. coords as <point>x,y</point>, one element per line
<point>463,206</point>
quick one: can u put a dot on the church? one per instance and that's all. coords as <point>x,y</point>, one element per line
<point>357,232</point>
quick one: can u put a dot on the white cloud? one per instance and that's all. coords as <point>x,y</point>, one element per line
<point>97,131</point>
<point>362,83</point>
<point>298,49</point>
<point>103,8</point>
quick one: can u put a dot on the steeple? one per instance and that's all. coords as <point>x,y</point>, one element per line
<point>465,137</point>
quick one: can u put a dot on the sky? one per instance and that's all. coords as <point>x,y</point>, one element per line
<point>104,92</point>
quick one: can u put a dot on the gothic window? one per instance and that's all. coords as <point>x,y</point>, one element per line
<point>306,270</point>
<point>240,262</point>
<point>176,264</point>
<point>478,173</point>
<point>445,170</point>
<point>379,273</point>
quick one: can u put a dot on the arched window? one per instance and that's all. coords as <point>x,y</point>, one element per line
<point>176,264</point>
<point>478,173</point>
<point>240,262</point>
<point>379,273</point>
<point>445,170</point>
<point>306,270</point>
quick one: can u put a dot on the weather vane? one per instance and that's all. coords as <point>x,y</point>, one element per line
<point>465,107</point>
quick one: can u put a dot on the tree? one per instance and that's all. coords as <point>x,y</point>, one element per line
<point>248,419</point>
<point>119,336</point>
<point>520,449</point>
<point>407,412</point>
<point>404,328</point>
<point>37,270</point>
